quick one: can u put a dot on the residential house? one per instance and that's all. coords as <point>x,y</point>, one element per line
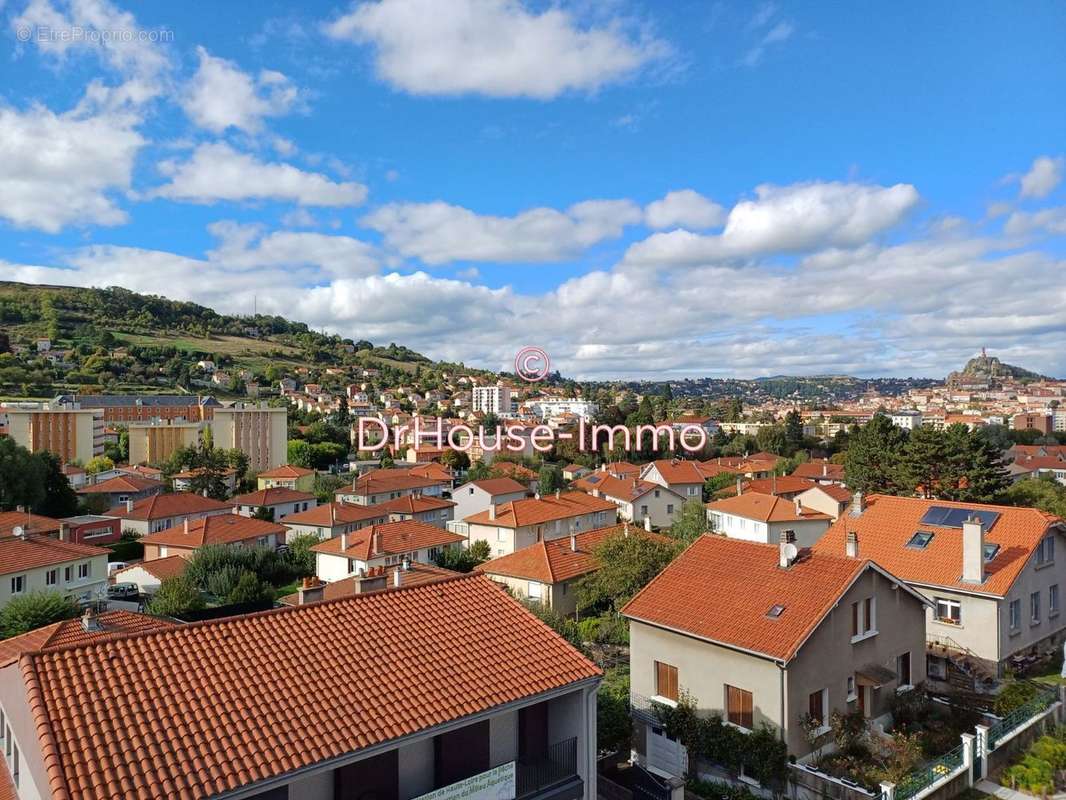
<point>684,478</point>
<point>88,628</point>
<point>470,691</point>
<point>517,472</point>
<point>384,545</point>
<point>184,481</point>
<point>287,476</point>
<point>149,575</point>
<point>382,485</point>
<point>828,498</point>
<point>32,562</point>
<point>430,510</point>
<point>820,470</point>
<point>769,634</point>
<point>230,529</point>
<point>92,529</point>
<point>408,573</point>
<point>571,472</point>
<point>784,486</point>
<point>636,500</point>
<point>520,523</point>
<point>476,496</point>
<point>162,511</point>
<point>621,469</point>
<point>28,523</point>
<point>548,571</point>
<point>995,574</point>
<point>333,519</point>
<point>764,517</point>
<point>280,502</point>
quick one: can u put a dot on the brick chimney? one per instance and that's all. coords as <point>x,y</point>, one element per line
<point>310,590</point>
<point>973,551</point>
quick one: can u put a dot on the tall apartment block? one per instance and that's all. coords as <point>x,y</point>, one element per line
<point>259,431</point>
<point>73,434</point>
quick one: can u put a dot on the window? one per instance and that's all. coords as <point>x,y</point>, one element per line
<point>738,707</point>
<point>51,578</point>
<point>534,590</point>
<point>15,765</point>
<point>666,680</point>
<point>669,508</point>
<point>644,511</point>
<point>863,618</point>
<point>775,611</point>
<point>501,535</point>
<point>68,574</point>
<point>692,491</point>
<point>851,687</point>
<point>261,541</point>
<point>656,492</point>
<point>1034,608</point>
<point>1015,609</point>
<point>903,669</point>
<point>1045,551</point>
<point>83,570</point>
<point>816,706</point>
<point>920,540</point>
<point>949,611</point>
<point>18,584</point>
<point>990,551</point>
<point>1053,600</point>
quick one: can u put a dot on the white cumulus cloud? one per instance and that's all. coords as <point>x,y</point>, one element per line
<point>221,96</point>
<point>684,208</point>
<point>1043,176</point>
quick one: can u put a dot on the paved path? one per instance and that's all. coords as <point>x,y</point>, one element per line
<point>1002,792</point>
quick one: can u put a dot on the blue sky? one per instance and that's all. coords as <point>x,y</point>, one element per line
<point>643,189</point>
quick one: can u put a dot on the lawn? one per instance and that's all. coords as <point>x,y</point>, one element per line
<point>228,345</point>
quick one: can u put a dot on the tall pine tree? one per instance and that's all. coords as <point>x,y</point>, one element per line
<point>873,460</point>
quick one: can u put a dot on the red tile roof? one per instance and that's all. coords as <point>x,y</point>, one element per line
<point>22,553</point>
<point>171,504</point>
<point>286,471</point>
<point>329,514</point>
<point>134,484</point>
<point>674,470</point>
<point>71,632</point>
<point>415,504</point>
<point>721,589</point>
<point>554,561</point>
<point>533,511</point>
<point>765,508</point>
<point>889,523</point>
<point>622,469</point>
<point>782,484</point>
<point>497,486</point>
<point>510,469</point>
<point>30,523</point>
<point>418,575</point>
<point>626,489</point>
<point>219,529</point>
<point>162,568</point>
<point>206,708</point>
<point>381,481</point>
<point>820,469</point>
<point>392,538</point>
<point>271,497</point>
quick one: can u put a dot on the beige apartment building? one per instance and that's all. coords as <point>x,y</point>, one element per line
<point>72,434</point>
<point>257,430</point>
<point>154,442</point>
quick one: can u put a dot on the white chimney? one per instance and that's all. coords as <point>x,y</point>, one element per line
<point>492,511</point>
<point>647,524</point>
<point>129,505</point>
<point>557,493</point>
<point>973,551</point>
<point>63,534</point>
<point>851,546</point>
<point>858,504</point>
<point>799,506</point>
<point>785,547</point>
<point>740,489</point>
<point>825,468</point>
<point>397,577</point>
<point>185,526</point>
<point>344,541</point>
<point>573,542</point>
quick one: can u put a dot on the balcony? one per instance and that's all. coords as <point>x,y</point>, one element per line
<point>551,776</point>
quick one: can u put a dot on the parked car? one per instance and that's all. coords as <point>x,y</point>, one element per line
<point>123,591</point>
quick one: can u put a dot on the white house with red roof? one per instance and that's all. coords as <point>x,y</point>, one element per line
<point>278,500</point>
<point>474,497</point>
<point>520,523</point>
<point>637,500</point>
<point>757,517</point>
<point>333,519</point>
<point>996,576</point>
<point>383,545</point>
<point>31,562</point>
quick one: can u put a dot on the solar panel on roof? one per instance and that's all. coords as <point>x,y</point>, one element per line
<point>948,517</point>
<point>935,515</point>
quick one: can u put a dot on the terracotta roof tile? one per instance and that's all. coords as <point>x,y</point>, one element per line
<point>286,471</point>
<point>418,575</point>
<point>721,589</point>
<point>534,511</point>
<point>765,508</point>
<point>330,514</point>
<point>554,561</point>
<point>162,568</point>
<point>394,538</point>
<point>415,504</point>
<point>31,523</point>
<point>201,709</point>
<point>219,529</point>
<point>71,632</point>
<point>271,497</point>
<point>889,523</point>
<point>123,483</point>
<point>22,553</point>
<point>170,504</point>
<point>782,484</point>
<point>820,469</point>
<point>497,486</point>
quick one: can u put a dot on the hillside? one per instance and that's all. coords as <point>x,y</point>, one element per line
<point>989,369</point>
<point>119,340</point>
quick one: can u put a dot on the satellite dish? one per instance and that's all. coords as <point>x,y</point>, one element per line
<point>18,530</point>
<point>790,551</point>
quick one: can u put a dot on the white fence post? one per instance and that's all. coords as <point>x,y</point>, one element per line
<point>982,752</point>
<point>967,757</point>
<point>888,791</point>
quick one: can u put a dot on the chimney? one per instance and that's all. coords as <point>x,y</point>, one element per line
<point>536,495</point>
<point>397,578</point>
<point>785,545</point>
<point>492,511</point>
<point>344,540</point>
<point>332,515</point>
<point>375,542</point>
<point>557,493</point>
<point>63,532</point>
<point>973,551</point>
<point>573,542</point>
<point>799,506</point>
<point>310,590</point>
<point>647,524</point>
<point>236,509</point>
<point>603,467</point>
<point>90,622</point>
<point>185,526</point>
<point>405,564</point>
<point>858,504</point>
<point>825,468</point>
<point>851,546</point>
<point>740,489</point>
<point>773,484</point>
<point>129,505</point>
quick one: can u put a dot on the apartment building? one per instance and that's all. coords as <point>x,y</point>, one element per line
<point>766,634</point>
<point>155,441</point>
<point>31,562</point>
<point>71,434</point>
<point>520,523</point>
<point>908,420</point>
<point>519,723</point>
<point>995,574</point>
<point>143,408</point>
<point>757,517</point>
<point>491,400</point>
<point>258,431</point>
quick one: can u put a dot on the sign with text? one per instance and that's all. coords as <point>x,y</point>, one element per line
<point>497,783</point>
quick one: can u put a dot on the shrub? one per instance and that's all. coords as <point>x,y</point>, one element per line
<point>1033,775</point>
<point>1014,694</point>
<point>614,727</point>
<point>249,589</point>
<point>35,610</point>
<point>177,596</point>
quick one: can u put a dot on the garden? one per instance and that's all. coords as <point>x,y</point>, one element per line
<point>1041,770</point>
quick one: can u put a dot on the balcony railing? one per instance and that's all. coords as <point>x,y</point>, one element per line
<point>556,766</point>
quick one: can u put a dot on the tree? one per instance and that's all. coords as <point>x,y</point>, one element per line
<point>21,477</point>
<point>60,499</point>
<point>455,459</point>
<point>712,486</point>
<point>626,565</point>
<point>478,471</point>
<point>692,523</point>
<point>1044,493</point>
<point>549,479</point>
<point>250,589</point>
<point>300,552</point>
<point>772,439</point>
<point>35,610</point>
<point>793,432</point>
<point>873,461</point>
<point>925,463</point>
<point>177,596</point>
<point>614,726</point>
<point>464,559</point>
<point>299,453</point>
